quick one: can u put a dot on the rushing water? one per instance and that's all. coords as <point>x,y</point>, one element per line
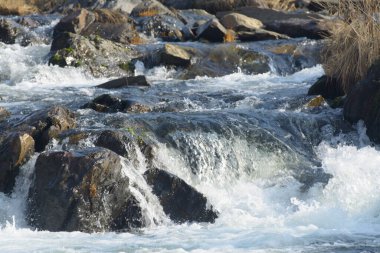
<point>284,177</point>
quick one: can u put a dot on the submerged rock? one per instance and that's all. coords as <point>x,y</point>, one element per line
<point>110,104</point>
<point>15,150</point>
<point>363,103</point>
<point>181,202</point>
<point>125,82</point>
<point>82,191</point>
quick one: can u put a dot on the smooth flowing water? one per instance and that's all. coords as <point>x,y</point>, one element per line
<point>284,177</point>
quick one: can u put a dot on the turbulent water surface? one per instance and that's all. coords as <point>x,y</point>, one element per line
<point>284,177</point>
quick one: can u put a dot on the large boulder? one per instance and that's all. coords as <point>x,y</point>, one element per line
<point>363,103</point>
<point>100,57</point>
<point>15,150</point>
<point>327,87</point>
<point>82,191</point>
<point>181,202</point>
<point>47,124</point>
<point>125,82</point>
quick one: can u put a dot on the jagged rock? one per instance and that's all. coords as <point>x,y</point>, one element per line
<point>260,34</point>
<point>363,103</point>
<point>107,24</point>
<point>110,104</point>
<point>181,202</point>
<point>15,150</point>
<point>327,87</point>
<point>70,49</point>
<point>239,22</point>
<point>193,16</point>
<point>125,82</point>
<point>4,114</point>
<point>212,31</point>
<point>8,32</point>
<point>47,124</point>
<point>82,191</point>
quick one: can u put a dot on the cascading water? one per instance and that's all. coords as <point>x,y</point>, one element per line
<point>284,177</point>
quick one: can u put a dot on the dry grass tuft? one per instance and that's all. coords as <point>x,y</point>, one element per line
<point>355,45</point>
<point>17,7</point>
<point>281,4</point>
<point>230,36</point>
<point>148,13</point>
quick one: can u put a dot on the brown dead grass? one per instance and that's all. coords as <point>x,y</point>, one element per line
<point>281,4</point>
<point>17,7</point>
<point>355,45</point>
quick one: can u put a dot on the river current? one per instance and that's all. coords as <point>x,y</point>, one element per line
<point>284,177</point>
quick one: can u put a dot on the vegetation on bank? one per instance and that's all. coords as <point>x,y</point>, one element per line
<point>354,45</point>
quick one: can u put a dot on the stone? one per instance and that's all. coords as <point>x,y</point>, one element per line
<point>180,201</point>
<point>327,87</point>
<point>4,114</point>
<point>82,191</point>
<point>47,124</point>
<point>115,141</point>
<point>110,104</point>
<point>212,31</point>
<point>260,34</point>
<point>15,151</point>
<point>150,8</point>
<point>173,55</point>
<point>125,82</point>
<point>239,22</point>
<point>316,102</point>
<point>363,103</point>
<point>8,32</point>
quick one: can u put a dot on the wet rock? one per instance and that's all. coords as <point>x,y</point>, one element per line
<point>107,24</point>
<point>15,150</point>
<point>260,34</point>
<point>327,87</point>
<point>181,202</point>
<point>173,55</point>
<point>47,124</point>
<point>125,82</point>
<point>239,22</point>
<point>8,32</point>
<point>100,57</point>
<point>82,191</point>
<point>212,31</point>
<point>363,103</point>
<point>115,141</point>
<point>110,104</point>
<point>316,102</point>
<point>310,177</point>
<point>4,114</point>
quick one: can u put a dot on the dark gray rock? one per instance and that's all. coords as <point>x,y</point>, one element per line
<point>110,104</point>
<point>260,34</point>
<point>15,150</point>
<point>363,103</point>
<point>327,87</point>
<point>212,31</point>
<point>181,202</point>
<point>125,82</point>
<point>115,141</point>
<point>8,32</point>
<point>82,191</point>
